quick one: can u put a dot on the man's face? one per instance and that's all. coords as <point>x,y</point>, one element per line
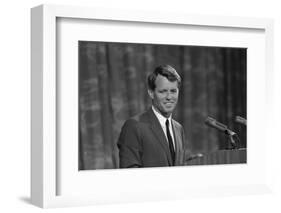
<point>165,95</point>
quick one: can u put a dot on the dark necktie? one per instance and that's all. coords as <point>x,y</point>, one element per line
<point>170,140</point>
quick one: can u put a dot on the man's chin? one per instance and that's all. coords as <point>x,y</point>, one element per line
<point>169,109</point>
<point>167,112</point>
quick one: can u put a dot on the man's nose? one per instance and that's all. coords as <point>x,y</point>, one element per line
<point>168,96</point>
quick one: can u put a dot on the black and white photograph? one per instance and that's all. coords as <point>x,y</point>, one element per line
<point>146,105</point>
<point>161,105</point>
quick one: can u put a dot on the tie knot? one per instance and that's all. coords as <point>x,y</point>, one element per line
<point>167,122</point>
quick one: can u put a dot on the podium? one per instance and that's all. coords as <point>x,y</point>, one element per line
<point>233,156</point>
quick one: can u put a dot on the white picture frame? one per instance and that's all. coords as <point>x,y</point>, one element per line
<point>44,154</point>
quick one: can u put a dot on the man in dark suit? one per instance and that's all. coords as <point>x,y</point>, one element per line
<point>153,138</point>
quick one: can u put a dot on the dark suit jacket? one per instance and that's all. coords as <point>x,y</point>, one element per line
<point>142,143</point>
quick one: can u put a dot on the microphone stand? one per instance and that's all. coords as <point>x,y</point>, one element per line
<point>233,138</point>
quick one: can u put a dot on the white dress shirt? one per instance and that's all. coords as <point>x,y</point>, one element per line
<point>162,121</point>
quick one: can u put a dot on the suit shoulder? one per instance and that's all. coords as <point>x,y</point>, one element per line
<point>130,123</point>
<point>133,121</point>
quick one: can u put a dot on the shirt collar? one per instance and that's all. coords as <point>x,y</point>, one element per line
<point>161,118</point>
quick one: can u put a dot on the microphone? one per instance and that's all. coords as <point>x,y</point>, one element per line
<point>219,126</point>
<point>240,120</point>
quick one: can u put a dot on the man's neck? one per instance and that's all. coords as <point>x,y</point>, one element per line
<point>160,114</point>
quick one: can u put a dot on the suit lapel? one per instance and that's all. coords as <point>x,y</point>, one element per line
<point>159,134</point>
<point>178,144</point>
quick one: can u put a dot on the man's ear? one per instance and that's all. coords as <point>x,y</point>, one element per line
<point>150,93</point>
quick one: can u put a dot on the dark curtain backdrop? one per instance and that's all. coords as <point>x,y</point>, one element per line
<point>112,88</point>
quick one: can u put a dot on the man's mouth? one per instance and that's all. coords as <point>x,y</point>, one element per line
<point>169,103</point>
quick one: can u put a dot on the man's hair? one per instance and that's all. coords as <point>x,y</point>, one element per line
<point>165,70</point>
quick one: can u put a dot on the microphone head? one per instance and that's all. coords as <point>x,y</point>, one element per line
<point>241,120</point>
<point>209,120</point>
<point>213,123</point>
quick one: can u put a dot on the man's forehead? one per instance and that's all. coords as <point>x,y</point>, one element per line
<point>162,81</point>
